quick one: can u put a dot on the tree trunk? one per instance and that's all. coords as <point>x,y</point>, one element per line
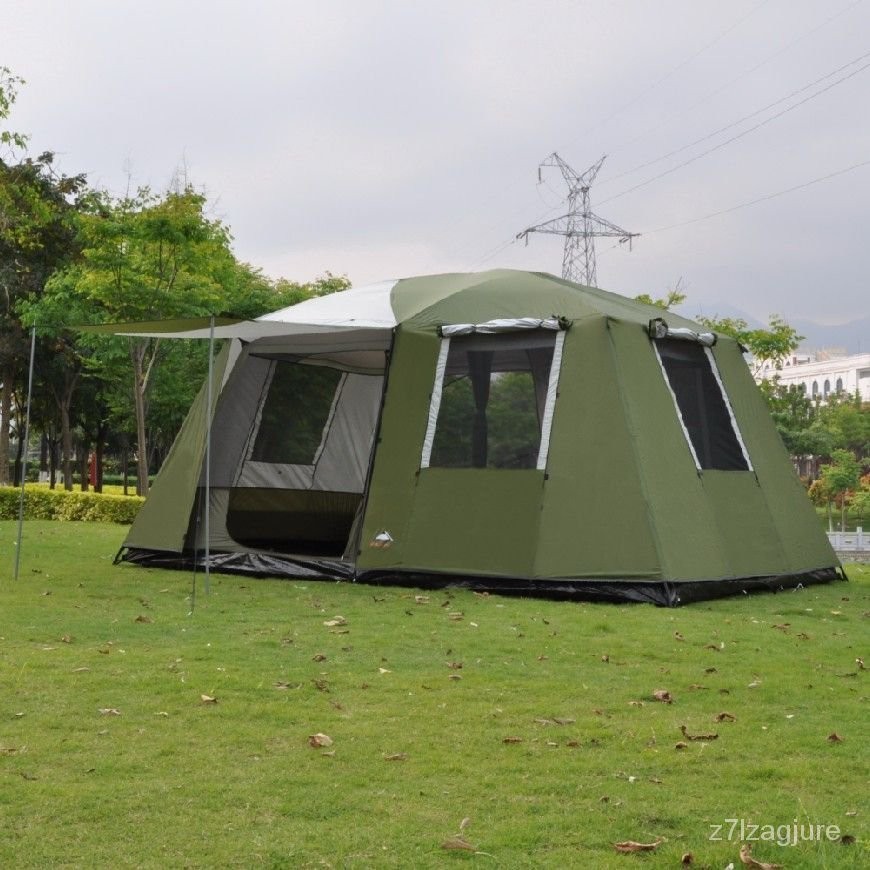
<point>5,412</point>
<point>98,461</point>
<point>66,445</point>
<point>137,355</point>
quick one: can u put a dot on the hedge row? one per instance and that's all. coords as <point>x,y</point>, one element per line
<point>58,504</point>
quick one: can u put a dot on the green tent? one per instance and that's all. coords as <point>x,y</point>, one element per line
<point>509,430</point>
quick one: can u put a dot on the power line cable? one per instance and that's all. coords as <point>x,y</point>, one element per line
<point>736,137</point>
<point>740,77</point>
<point>677,68</point>
<point>739,121</point>
<point>759,199</point>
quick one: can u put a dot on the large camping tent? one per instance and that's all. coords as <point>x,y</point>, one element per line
<point>511,430</point>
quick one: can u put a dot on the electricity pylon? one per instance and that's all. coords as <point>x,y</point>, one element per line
<point>580,225</point>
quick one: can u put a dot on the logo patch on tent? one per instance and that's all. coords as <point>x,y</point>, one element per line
<point>382,540</point>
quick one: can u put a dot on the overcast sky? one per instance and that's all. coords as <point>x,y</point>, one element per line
<point>388,139</point>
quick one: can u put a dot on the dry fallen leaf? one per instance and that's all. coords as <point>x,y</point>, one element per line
<point>335,621</point>
<point>512,740</point>
<point>67,638</point>
<point>680,744</point>
<point>678,636</point>
<point>315,741</point>
<point>687,859</point>
<point>632,846</point>
<point>208,699</point>
<point>143,618</point>
<point>725,717</point>
<point>109,711</point>
<point>320,657</point>
<point>458,843</point>
<point>747,859</point>
<point>688,736</point>
<point>663,695</point>
<point>396,756</point>
<point>847,840</point>
<point>833,737</point>
<point>454,665</point>
<point>421,599</point>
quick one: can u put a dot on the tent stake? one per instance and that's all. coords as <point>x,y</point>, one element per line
<point>24,453</point>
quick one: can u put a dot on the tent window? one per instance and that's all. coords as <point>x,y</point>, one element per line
<point>706,416</point>
<point>293,437</point>
<point>491,401</point>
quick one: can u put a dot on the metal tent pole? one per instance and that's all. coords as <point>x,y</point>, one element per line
<point>208,410</point>
<point>24,453</point>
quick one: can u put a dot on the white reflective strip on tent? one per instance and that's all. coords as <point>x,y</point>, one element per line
<point>550,403</point>
<point>505,324</point>
<point>715,369</point>
<point>435,402</point>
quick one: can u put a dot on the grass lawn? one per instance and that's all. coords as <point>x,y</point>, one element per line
<point>533,719</point>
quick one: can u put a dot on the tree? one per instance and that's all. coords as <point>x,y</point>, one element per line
<point>772,344</point>
<point>676,295</point>
<point>840,476</point>
<point>148,257</point>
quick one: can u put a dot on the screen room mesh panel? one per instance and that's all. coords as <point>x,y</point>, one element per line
<point>492,401</point>
<point>293,437</point>
<point>702,406</point>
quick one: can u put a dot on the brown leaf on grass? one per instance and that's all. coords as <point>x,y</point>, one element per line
<point>714,646</point>
<point>747,859</point>
<point>80,670</point>
<point>143,618</point>
<point>454,677</point>
<point>319,740</point>
<point>335,621</point>
<point>396,756</point>
<point>678,636</point>
<point>687,859</point>
<point>804,636</point>
<point>421,599</point>
<point>847,840</point>
<point>680,744</point>
<point>605,658</point>
<point>635,703</point>
<point>456,616</point>
<point>833,737</point>
<point>783,626</point>
<point>512,740</point>
<point>318,657</point>
<point>724,717</point>
<point>454,665</point>
<point>684,731</point>
<point>573,743</point>
<point>464,824</point>
<point>321,685</point>
<point>663,695</point>
<point>458,843</point>
<point>564,720</point>
<point>629,846</point>
<point>696,686</point>
<point>109,711</point>
<point>860,663</point>
<point>68,638</point>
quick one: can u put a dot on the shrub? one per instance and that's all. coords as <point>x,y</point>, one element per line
<point>57,504</point>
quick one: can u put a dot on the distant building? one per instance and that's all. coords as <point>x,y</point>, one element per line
<point>821,374</point>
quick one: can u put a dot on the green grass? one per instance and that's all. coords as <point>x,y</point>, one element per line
<point>173,781</point>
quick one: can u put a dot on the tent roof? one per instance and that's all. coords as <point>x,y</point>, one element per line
<point>425,301</point>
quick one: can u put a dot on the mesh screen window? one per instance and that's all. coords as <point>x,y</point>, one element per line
<point>702,406</point>
<point>295,413</point>
<point>492,401</point>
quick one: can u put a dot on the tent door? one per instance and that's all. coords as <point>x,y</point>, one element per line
<point>300,473</point>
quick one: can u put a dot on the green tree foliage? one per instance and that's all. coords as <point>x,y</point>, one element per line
<point>148,257</point>
<point>841,476</point>
<point>37,236</point>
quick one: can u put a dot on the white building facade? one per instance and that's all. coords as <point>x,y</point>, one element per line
<point>820,378</point>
